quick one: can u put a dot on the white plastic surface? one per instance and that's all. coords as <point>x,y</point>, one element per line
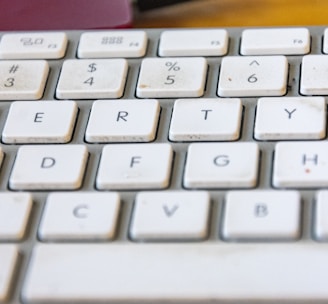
<point>177,272</point>
<point>275,41</point>
<point>38,122</point>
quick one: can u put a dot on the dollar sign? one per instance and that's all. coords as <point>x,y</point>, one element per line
<point>92,67</point>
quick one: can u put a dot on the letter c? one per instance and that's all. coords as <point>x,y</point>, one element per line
<point>81,211</point>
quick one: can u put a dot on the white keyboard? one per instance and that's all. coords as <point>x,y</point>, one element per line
<point>164,166</point>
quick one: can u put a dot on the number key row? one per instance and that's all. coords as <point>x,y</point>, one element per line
<point>161,77</point>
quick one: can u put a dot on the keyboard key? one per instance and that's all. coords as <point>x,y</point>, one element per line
<point>320,227</point>
<point>92,79</point>
<point>206,119</point>
<point>123,121</point>
<point>177,272</point>
<point>132,166</point>
<point>276,41</point>
<point>170,215</point>
<point>8,258</point>
<point>37,122</point>
<point>325,41</point>
<point>107,44</point>
<point>301,164</point>
<point>15,209</point>
<point>253,76</point>
<point>205,42</point>
<point>262,215</point>
<point>314,77</point>
<point>221,165</point>
<point>172,77</point>
<point>42,45</point>
<point>279,118</point>
<point>49,167</point>
<point>80,216</point>
<point>23,80</point>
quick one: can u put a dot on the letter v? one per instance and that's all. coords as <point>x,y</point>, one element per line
<point>170,211</point>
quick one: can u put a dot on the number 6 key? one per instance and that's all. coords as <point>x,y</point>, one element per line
<point>253,76</point>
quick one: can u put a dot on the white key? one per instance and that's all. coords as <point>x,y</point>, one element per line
<point>49,167</point>
<point>92,79</point>
<point>276,41</point>
<point>170,216</point>
<point>106,44</point>
<point>135,166</point>
<point>23,80</point>
<point>209,42</point>
<point>290,118</point>
<point>301,164</point>
<point>221,165</point>
<point>178,273</point>
<point>80,216</point>
<point>320,227</point>
<point>206,119</point>
<point>325,41</point>
<point>314,77</point>
<point>42,45</point>
<point>262,215</point>
<point>8,258</point>
<point>123,121</point>
<point>15,210</point>
<point>253,76</point>
<point>172,77</point>
<point>37,122</point>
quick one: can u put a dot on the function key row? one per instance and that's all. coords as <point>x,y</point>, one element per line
<point>133,44</point>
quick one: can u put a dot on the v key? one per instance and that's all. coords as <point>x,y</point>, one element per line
<point>170,211</point>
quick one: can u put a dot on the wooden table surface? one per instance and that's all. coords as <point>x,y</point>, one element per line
<point>224,13</point>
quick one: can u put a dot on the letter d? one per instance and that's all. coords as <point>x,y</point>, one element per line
<point>48,162</point>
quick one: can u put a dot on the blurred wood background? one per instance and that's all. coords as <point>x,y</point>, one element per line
<point>223,13</point>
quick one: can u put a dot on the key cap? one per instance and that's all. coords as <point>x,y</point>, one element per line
<point>301,164</point>
<point>282,41</point>
<point>42,45</point>
<point>8,258</point>
<point>80,216</point>
<point>92,79</point>
<point>290,118</point>
<point>23,80</point>
<point>126,120</point>
<point>325,41</point>
<point>49,167</point>
<point>253,76</point>
<point>205,119</point>
<point>107,44</point>
<point>15,210</point>
<point>37,122</point>
<point>178,273</point>
<point>210,42</point>
<point>221,165</point>
<point>170,215</point>
<point>262,215</point>
<point>132,166</point>
<point>314,75</point>
<point>172,77</point>
<point>320,227</point>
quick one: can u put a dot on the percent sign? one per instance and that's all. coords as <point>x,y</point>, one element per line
<point>172,66</point>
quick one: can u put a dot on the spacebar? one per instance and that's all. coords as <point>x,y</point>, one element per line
<point>111,273</point>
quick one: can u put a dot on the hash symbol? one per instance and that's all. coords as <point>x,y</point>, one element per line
<point>13,69</point>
